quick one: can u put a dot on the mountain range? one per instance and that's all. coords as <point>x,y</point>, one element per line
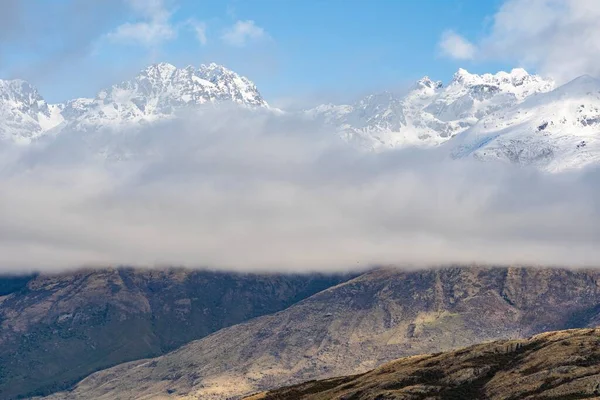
<point>511,116</point>
<point>356,326</point>
<point>430,112</point>
<point>156,93</point>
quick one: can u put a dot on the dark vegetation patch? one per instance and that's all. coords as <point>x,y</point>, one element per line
<point>14,283</point>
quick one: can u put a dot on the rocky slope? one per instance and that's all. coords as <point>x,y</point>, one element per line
<point>56,329</point>
<point>356,326</point>
<point>555,365</point>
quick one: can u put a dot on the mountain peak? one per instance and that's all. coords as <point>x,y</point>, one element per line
<point>24,114</point>
<point>517,82</point>
<point>214,71</point>
<point>427,82</point>
<point>19,90</point>
<point>519,72</point>
<point>579,86</point>
<point>214,66</point>
<point>461,75</point>
<point>159,91</point>
<point>161,70</point>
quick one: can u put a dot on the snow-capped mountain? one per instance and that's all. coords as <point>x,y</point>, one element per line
<point>555,131</point>
<point>157,92</point>
<point>430,113</point>
<point>24,114</point>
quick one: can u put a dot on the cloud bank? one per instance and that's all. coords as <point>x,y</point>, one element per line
<point>253,191</point>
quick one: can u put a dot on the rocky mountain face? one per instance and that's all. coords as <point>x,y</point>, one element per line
<point>157,92</point>
<point>56,329</point>
<point>356,326</point>
<point>555,365</point>
<point>430,113</point>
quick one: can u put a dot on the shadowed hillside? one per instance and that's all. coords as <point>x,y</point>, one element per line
<point>56,329</point>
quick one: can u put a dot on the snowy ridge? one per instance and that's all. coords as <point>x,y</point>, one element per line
<point>430,114</point>
<point>555,131</point>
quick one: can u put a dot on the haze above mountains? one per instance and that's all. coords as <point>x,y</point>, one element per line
<point>509,116</point>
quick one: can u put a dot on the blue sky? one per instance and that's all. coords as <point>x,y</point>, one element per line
<point>289,48</point>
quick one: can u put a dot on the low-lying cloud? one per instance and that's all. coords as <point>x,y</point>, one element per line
<point>253,191</point>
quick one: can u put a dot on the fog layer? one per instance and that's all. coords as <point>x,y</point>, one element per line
<point>254,191</point>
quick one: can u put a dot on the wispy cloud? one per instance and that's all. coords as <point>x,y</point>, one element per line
<point>243,32</point>
<point>455,46</point>
<point>199,28</point>
<point>155,29</point>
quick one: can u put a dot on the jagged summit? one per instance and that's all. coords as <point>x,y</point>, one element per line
<point>518,81</point>
<point>159,90</point>
<point>461,75</point>
<point>159,72</point>
<point>514,76</point>
<point>24,114</point>
<point>426,82</point>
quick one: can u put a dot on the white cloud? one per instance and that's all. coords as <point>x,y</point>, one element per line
<point>145,33</point>
<point>199,29</point>
<point>155,30</point>
<point>236,189</point>
<point>455,46</point>
<point>558,38</point>
<point>243,32</point>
